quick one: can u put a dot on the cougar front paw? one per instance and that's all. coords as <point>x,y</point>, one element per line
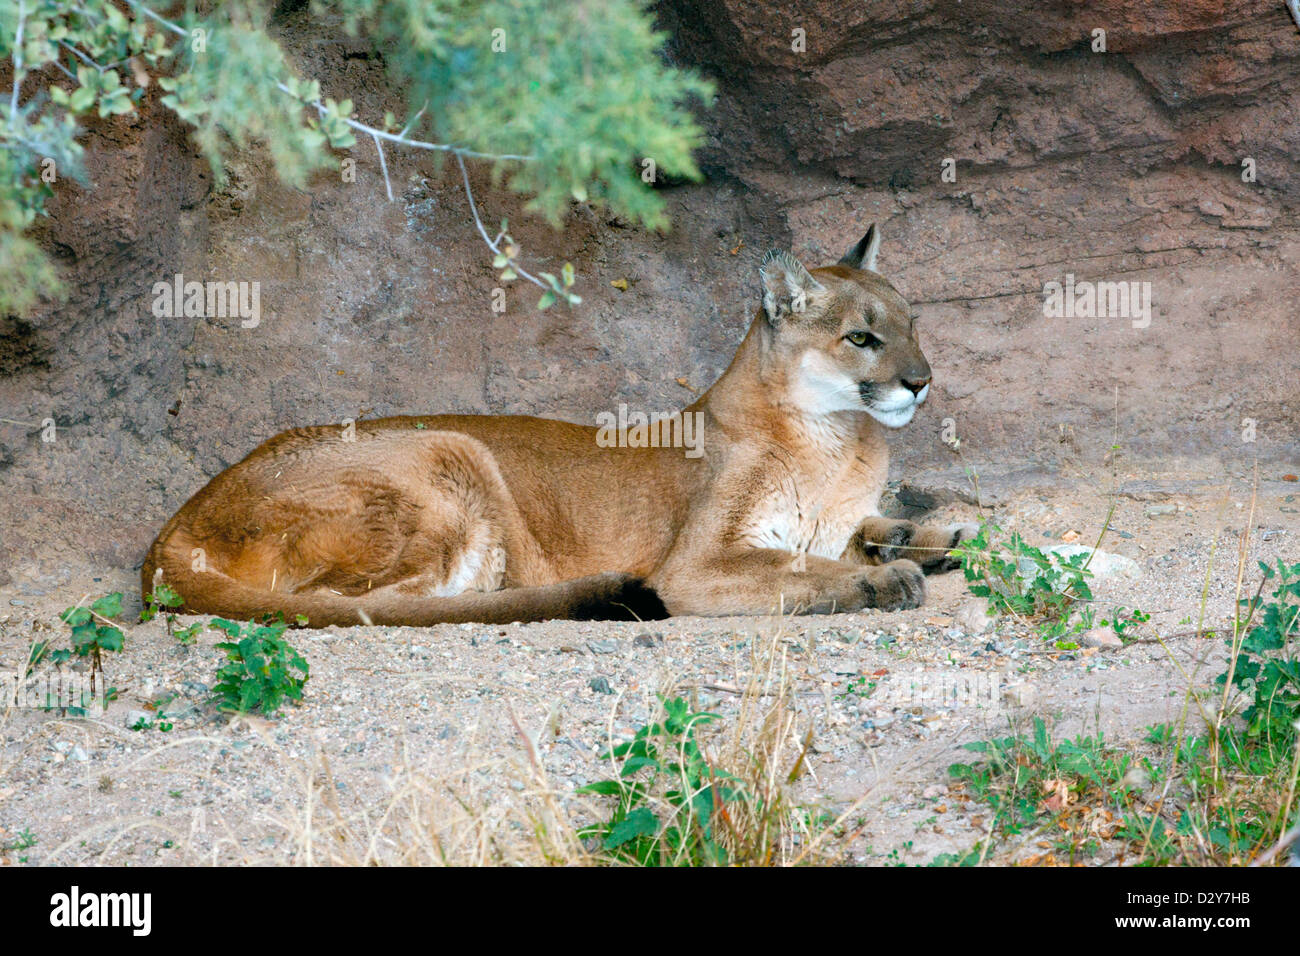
<point>896,586</point>
<point>880,540</point>
<point>951,536</point>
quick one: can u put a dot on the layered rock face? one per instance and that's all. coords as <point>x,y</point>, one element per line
<point>1001,149</point>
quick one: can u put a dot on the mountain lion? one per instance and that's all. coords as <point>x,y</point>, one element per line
<point>446,518</point>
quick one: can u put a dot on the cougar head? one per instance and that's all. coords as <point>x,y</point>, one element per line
<point>843,337</point>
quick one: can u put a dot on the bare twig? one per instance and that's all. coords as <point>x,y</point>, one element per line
<point>82,57</point>
<point>379,136</point>
<point>1290,838</point>
<point>383,166</point>
<point>491,243</point>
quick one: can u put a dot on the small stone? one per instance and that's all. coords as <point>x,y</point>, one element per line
<point>1100,637</point>
<point>645,640</point>
<point>79,754</point>
<point>884,640</point>
<point>1157,511</point>
<point>603,647</point>
<point>1102,564</point>
<point>17,603</point>
<point>137,718</point>
<point>180,710</point>
<point>600,685</point>
<point>973,617</point>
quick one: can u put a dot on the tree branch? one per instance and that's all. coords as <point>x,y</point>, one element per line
<point>18,63</point>
<point>383,166</point>
<point>379,136</point>
<point>493,244</point>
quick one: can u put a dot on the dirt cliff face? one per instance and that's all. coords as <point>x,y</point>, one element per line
<point>1068,165</point>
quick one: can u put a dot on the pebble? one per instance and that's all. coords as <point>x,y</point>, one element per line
<point>603,647</point>
<point>1103,563</point>
<point>600,685</point>
<point>973,617</point>
<point>181,710</point>
<point>1100,637</point>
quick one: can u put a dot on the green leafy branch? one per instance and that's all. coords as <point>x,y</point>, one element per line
<point>561,108</point>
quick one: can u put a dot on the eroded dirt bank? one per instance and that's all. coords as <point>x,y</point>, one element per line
<point>1123,165</point>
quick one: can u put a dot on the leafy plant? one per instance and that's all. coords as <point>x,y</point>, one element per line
<point>1074,793</point>
<point>1238,789</point>
<point>664,756</point>
<point>1025,582</point>
<point>1264,663</point>
<point>1122,620</point>
<point>24,840</point>
<point>165,598</point>
<point>859,686</point>
<point>262,671</point>
<point>93,634</point>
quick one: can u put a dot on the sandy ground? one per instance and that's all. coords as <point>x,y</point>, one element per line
<point>388,705</point>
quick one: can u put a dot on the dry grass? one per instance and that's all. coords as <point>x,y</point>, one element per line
<point>507,811</point>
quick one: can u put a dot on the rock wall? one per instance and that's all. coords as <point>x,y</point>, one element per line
<point>1116,165</point>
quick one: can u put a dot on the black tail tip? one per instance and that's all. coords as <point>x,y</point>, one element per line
<point>630,600</point>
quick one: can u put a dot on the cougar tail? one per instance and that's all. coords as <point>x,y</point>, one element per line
<point>600,597</point>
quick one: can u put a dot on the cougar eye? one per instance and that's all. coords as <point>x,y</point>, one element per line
<point>863,339</point>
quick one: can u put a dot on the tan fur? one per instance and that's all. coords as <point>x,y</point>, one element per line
<point>457,518</point>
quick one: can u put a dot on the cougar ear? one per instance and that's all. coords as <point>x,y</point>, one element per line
<point>863,255</point>
<point>787,285</point>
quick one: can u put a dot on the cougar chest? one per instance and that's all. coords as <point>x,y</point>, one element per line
<point>815,507</point>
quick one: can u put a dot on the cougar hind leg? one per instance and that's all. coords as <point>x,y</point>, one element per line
<point>435,521</point>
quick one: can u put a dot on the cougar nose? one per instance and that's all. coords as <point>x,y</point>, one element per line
<point>916,384</point>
